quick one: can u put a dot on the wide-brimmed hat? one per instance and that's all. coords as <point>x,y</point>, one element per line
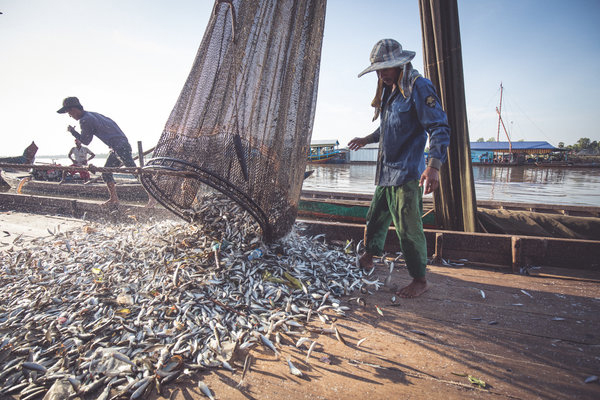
<point>68,103</point>
<point>388,53</point>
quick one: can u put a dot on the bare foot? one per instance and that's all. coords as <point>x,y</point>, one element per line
<point>416,288</point>
<point>366,261</point>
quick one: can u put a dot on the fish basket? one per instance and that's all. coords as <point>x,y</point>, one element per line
<point>243,121</point>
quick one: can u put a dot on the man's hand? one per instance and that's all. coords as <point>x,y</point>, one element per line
<point>73,132</point>
<point>430,180</point>
<point>357,143</point>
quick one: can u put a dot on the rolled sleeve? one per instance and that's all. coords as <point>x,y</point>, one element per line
<point>434,163</point>
<point>433,118</point>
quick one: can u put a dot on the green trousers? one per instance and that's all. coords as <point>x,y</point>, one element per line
<point>402,205</point>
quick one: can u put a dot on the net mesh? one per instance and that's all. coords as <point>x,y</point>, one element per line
<point>243,121</point>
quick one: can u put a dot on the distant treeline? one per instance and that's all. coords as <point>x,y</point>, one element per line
<point>582,144</point>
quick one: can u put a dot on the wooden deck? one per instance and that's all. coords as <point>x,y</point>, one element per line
<point>511,252</point>
<point>526,336</point>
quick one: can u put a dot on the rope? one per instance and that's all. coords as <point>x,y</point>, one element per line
<point>230,3</point>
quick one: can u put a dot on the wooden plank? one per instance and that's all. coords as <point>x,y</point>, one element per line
<point>489,249</point>
<point>486,249</point>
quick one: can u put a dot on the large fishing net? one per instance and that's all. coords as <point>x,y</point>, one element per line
<point>243,121</point>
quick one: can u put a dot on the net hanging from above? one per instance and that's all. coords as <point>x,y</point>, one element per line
<point>243,121</point>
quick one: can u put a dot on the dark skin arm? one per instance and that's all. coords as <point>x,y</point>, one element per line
<point>71,156</point>
<point>357,143</point>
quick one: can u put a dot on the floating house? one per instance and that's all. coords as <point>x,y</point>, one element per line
<point>510,152</point>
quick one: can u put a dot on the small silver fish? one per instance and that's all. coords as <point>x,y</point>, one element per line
<point>293,370</point>
<point>122,357</point>
<point>143,385</point>
<point>205,390</point>
<point>246,368</point>
<point>525,293</point>
<point>338,335</point>
<point>33,366</point>
<point>269,344</point>
<point>310,349</point>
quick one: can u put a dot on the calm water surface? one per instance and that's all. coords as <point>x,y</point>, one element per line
<point>524,184</point>
<point>568,186</point>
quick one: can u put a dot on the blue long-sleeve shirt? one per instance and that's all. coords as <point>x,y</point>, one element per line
<point>402,134</point>
<point>95,124</point>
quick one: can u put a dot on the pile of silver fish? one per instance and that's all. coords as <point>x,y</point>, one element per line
<point>117,311</point>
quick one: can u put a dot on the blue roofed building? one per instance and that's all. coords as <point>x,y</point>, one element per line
<point>510,152</point>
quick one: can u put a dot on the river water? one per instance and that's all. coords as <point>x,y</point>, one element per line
<point>522,184</point>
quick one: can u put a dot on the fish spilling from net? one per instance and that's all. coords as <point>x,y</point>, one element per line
<point>131,308</point>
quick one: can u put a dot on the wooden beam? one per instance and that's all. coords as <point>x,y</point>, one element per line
<point>140,153</point>
<point>516,254</point>
<point>504,251</point>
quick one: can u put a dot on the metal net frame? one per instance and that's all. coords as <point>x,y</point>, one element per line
<point>243,121</point>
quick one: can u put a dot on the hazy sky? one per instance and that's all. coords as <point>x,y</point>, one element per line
<point>129,59</point>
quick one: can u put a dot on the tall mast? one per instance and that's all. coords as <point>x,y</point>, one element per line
<point>499,111</point>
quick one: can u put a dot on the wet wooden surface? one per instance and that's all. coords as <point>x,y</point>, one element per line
<point>530,337</point>
<point>543,346</point>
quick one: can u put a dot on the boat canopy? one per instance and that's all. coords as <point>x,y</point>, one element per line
<point>515,147</point>
<point>324,143</point>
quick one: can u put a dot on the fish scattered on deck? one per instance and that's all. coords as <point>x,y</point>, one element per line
<point>178,311</point>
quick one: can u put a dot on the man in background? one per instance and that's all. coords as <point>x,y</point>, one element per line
<point>79,156</point>
<point>95,124</point>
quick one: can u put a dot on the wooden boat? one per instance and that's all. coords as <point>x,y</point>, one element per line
<point>128,190</point>
<point>513,252</point>
<point>579,222</point>
<point>326,152</point>
<point>559,221</point>
<point>347,207</point>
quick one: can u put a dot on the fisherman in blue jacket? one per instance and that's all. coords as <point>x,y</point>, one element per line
<point>410,110</point>
<point>95,124</point>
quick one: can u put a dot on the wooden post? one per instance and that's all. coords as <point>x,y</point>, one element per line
<point>516,254</point>
<point>455,203</point>
<point>439,244</point>
<point>141,153</point>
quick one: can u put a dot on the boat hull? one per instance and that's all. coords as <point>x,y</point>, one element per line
<point>576,222</point>
<point>505,251</point>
